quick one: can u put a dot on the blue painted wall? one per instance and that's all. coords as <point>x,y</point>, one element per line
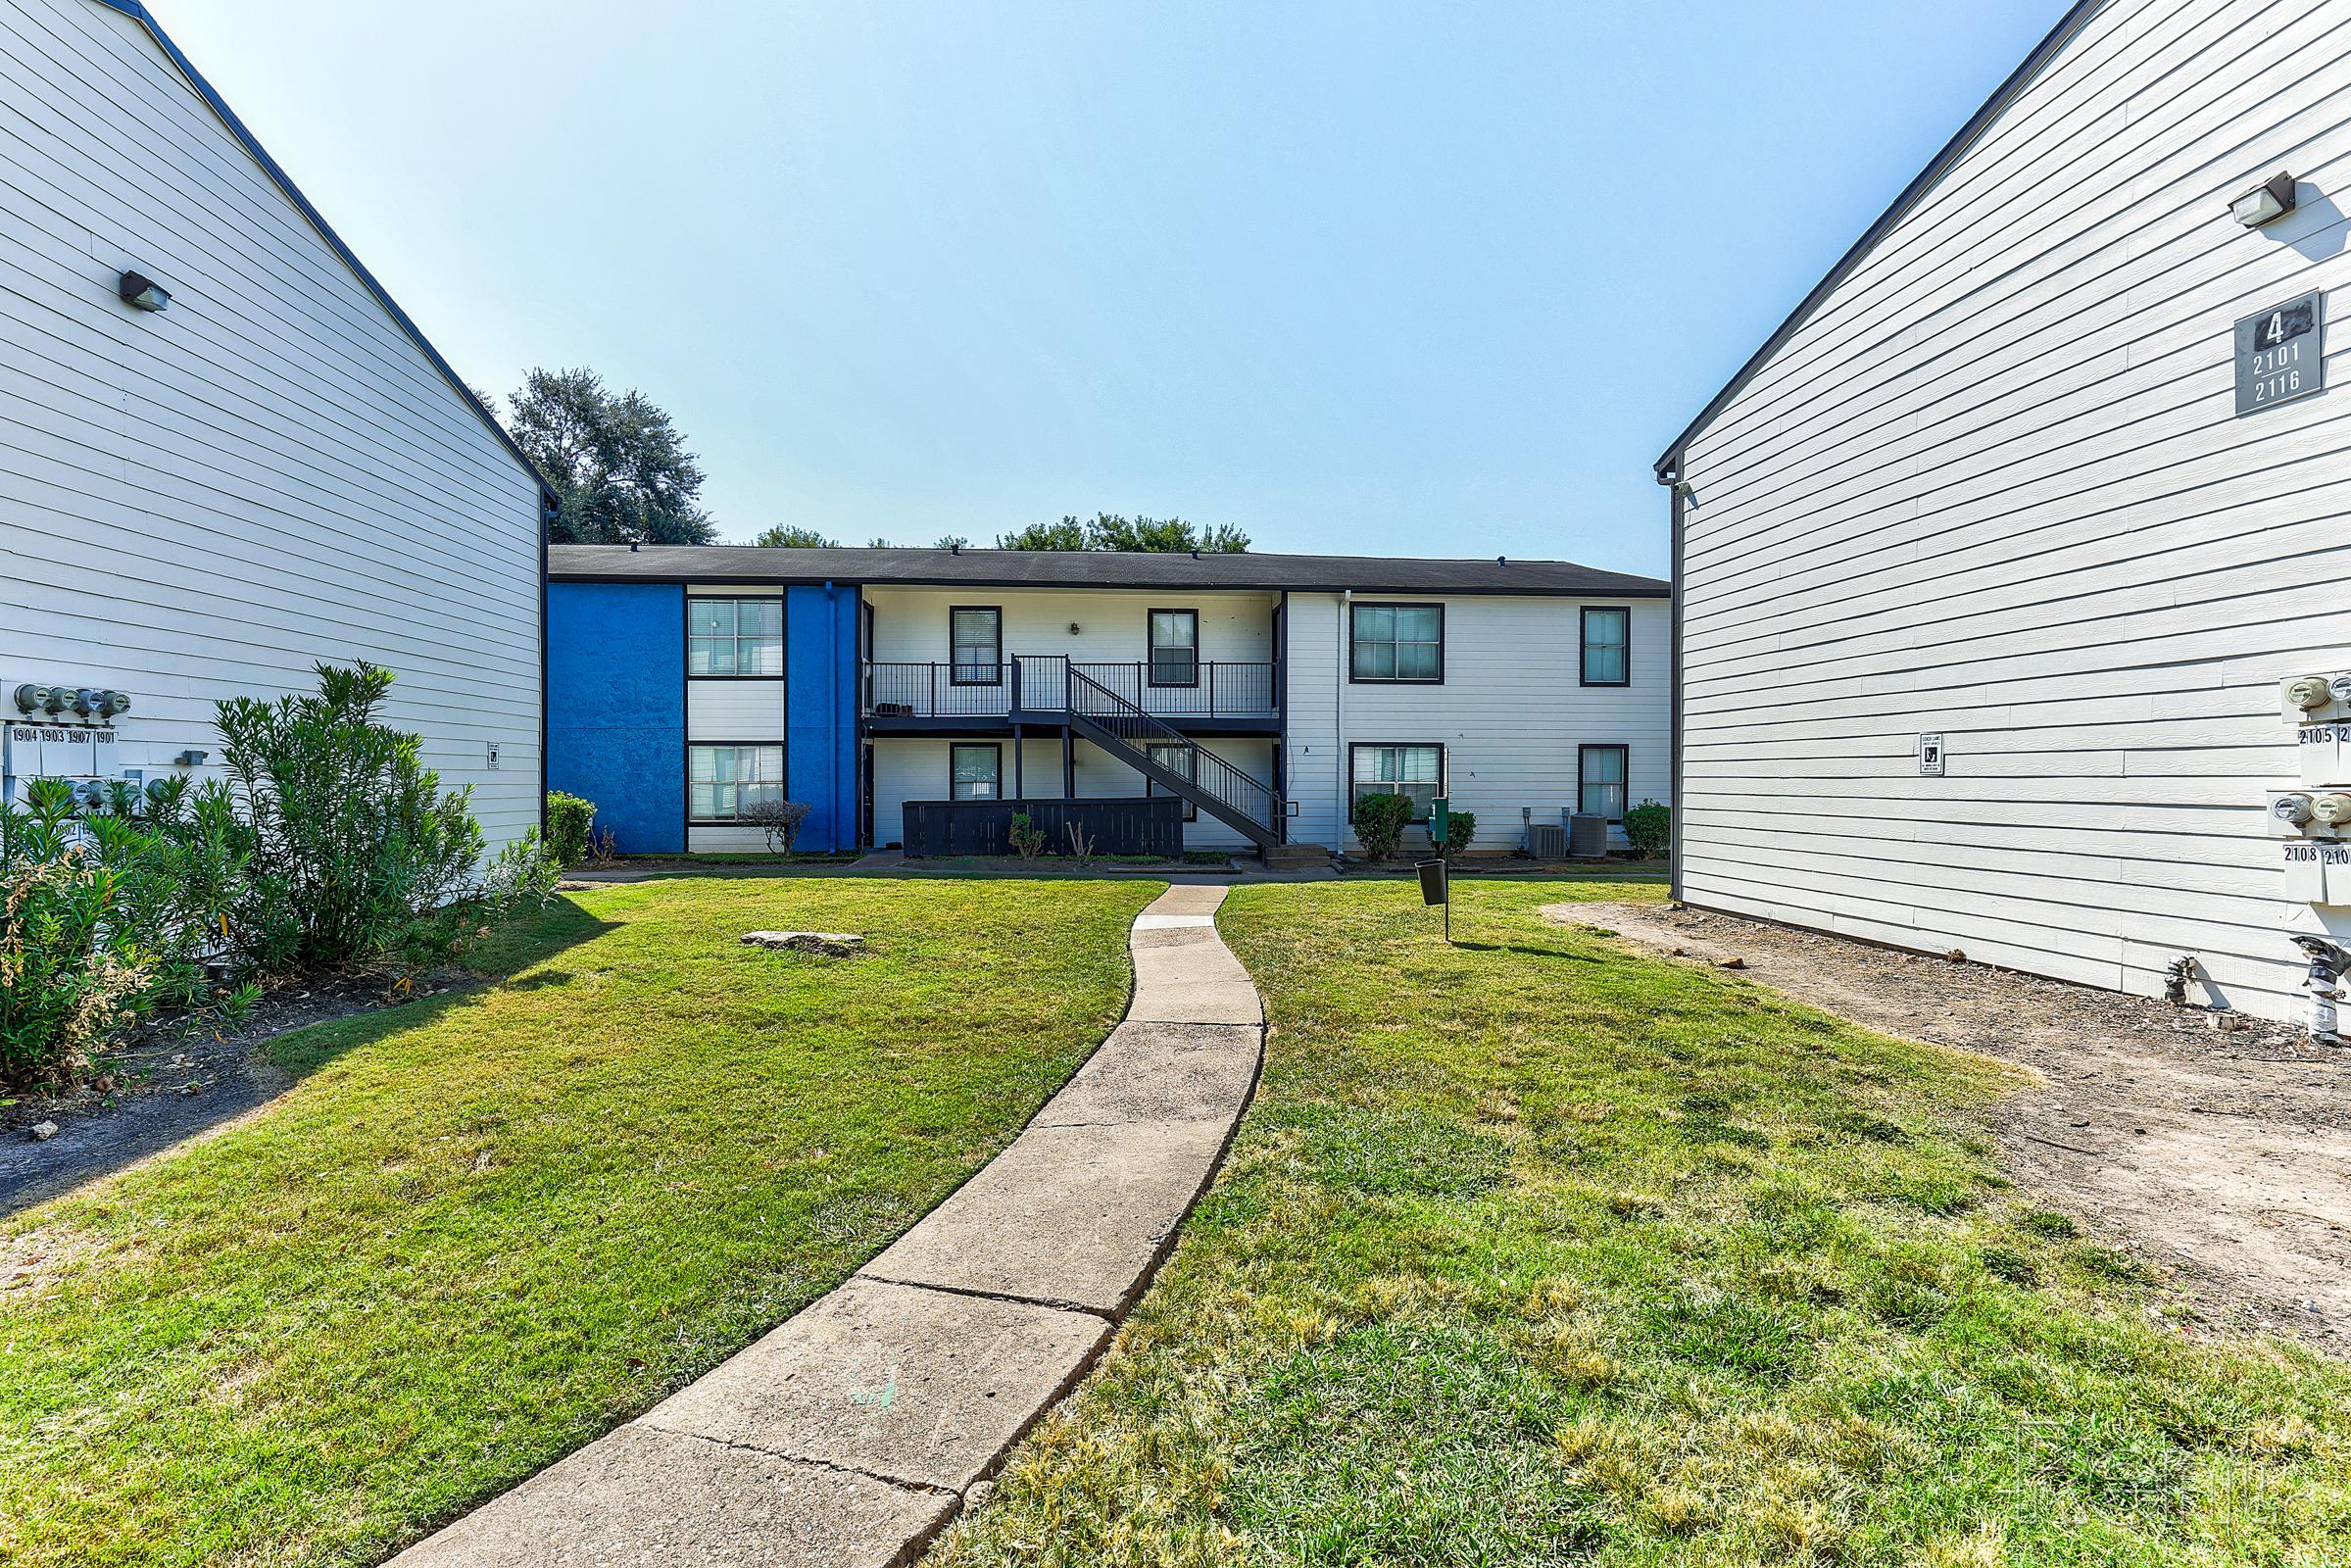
<point>820,704</point>
<point>615,732</point>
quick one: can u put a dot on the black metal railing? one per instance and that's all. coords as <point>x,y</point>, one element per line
<point>1194,689</point>
<point>938,691</point>
<point>1144,732</point>
<point>1189,688</point>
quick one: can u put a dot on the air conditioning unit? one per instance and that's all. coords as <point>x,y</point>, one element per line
<point>1546,841</point>
<point>1587,836</point>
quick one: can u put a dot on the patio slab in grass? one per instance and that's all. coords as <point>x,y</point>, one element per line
<point>1069,1216</point>
<point>1161,1072</point>
<point>910,1385</point>
<point>646,1497</point>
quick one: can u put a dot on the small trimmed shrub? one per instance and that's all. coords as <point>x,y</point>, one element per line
<point>1460,828</point>
<point>1380,821</point>
<point>1026,837</point>
<point>570,821</point>
<point>779,819</point>
<point>1650,827</point>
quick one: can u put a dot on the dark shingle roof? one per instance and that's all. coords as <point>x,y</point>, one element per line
<point>1091,568</point>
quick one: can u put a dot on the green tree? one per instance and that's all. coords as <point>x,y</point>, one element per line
<point>779,537</point>
<point>620,470</point>
<point>1110,531</point>
<point>951,541</point>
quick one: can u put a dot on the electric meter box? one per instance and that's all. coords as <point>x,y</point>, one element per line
<point>57,751</point>
<point>2318,698</point>
<point>2295,815</point>
<point>2323,754</point>
<point>2317,871</point>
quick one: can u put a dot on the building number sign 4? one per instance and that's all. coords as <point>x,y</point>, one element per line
<point>2282,354</point>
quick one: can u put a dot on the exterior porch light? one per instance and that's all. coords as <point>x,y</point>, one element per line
<point>142,293</point>
<point>2265,203</point>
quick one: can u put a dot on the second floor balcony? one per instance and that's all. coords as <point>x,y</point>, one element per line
<point>1187,692</point>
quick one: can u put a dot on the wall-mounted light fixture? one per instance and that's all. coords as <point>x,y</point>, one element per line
<point>2265,203</point>
<point>142,293</point>
<point>190,758</point>
<point>1073,628</point>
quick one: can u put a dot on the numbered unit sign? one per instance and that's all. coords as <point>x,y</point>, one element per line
<point>2317,871</point>
<point>2282,354</point>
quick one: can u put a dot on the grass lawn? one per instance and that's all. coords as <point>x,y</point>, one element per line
<point>1536,1252</point>
<point>481,1230</point>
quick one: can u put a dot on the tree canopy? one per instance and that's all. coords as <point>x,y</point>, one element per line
<point>777,536</point>
<point>620,470</point>
<point>1106,531</point>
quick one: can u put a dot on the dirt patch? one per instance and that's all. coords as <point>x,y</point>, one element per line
<point>2220,1157</point>
<point>171,1082</point>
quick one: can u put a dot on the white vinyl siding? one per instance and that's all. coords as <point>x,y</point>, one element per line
<point>1510,714</point>
<point>206,502</point>
<point>1996,488</point>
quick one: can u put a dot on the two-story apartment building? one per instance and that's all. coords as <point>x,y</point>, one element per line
<point>1263,692</point>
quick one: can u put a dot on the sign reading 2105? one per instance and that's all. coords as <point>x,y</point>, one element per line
<point>2282,354</point>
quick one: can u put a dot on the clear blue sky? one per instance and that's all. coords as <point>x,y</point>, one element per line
<point>1396,278</point>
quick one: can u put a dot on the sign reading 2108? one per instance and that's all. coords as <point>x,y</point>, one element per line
<point>2282,354</point>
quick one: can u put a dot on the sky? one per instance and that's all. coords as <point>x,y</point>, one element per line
<point>1357,278</point>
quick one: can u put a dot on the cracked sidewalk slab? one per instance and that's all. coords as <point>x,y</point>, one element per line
<point>908,1385</point>
<point>848,1436</point>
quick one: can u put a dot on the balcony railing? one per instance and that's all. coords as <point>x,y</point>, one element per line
<point>1186,689</point>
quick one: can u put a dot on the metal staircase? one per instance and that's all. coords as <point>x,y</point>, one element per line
<point>1145,743</point>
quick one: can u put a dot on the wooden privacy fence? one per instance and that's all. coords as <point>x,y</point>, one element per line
<point>1144,825</point>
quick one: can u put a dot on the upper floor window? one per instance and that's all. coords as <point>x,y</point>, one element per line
<point>1175,647</point>
<point>735,636</point>
<point>721,780</point>
<point>1416,772</point>
<point>1607,647</point>
<point>976,645</point>
<point>1398,643</point>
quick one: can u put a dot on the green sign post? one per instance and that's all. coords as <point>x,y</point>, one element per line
<point>1441,816</point>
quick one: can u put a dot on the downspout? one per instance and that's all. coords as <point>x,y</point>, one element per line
<point>1677,489</point>
<point>1340,802</point>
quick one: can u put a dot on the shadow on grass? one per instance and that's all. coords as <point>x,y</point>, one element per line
<point>1531,953</point>
<point>247,1074</point>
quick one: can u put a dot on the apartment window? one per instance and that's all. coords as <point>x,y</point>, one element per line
<point>1601,772</point>
<point>1175,647</point>
<point>721,780</point>
<point>1607,647</point>
<point>734,637</point>
<point>1179,761</point>
<point>975,772</point>
<point>1415,772</point>
<point>1401,643</point>
<point>977,646</point>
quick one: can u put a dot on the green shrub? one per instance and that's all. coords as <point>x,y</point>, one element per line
<point>354,852</point>
<point>1460,828</point>
<point>569,821</point>
<point>1380,821</point>
<point>1650,827</point>
<point>1025,836</point>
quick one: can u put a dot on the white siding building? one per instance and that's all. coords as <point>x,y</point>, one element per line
<point>1991,483</point>
<point>1267,691</point>
<point>272,470</point>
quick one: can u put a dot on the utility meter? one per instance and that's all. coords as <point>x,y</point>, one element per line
<point>2309,692</point>
<point>112,703</point>
<point>2292,809</point>
<point>2334,809</point>
<point>31,698</point>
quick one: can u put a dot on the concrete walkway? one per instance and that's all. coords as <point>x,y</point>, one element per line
<point>847,1437</point>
